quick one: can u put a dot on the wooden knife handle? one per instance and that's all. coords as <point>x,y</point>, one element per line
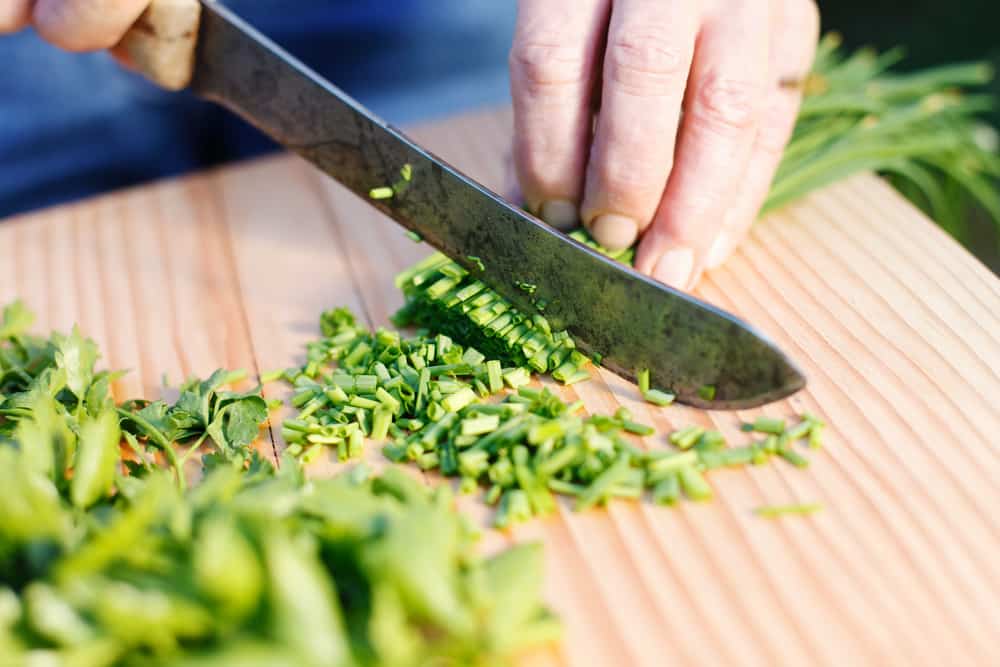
<point>161,44</point>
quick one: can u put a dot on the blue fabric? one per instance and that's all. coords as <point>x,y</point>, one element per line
<point>72,125</point>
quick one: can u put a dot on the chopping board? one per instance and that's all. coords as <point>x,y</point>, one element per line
<point>896,326</point>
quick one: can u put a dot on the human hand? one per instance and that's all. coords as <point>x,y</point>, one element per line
<point>689,184</point>
<point>154,37</point>
<point>73,25</point>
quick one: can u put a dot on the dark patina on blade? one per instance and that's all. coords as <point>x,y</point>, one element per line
<point>630,320</point>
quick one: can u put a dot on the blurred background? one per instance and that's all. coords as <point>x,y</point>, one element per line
<point>74,125</point>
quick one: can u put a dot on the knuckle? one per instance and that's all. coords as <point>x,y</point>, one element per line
<point>729,103</point>
<point>548,63</point>
<point>645,62</point>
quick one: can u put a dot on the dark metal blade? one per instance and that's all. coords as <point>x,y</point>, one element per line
<point>630,320</point>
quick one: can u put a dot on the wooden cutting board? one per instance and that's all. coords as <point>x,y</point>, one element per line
<point>897,327</point>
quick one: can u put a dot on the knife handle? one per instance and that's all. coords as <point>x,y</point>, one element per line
<point>161,44</point>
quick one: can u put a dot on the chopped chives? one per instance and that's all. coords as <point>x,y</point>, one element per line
<point>429,393</point>
<point>272,376</point>
<point>686,437</point>
<point>380,423</point>
<point>598,490</point>
<point>710,440</point>
<point>659,398</point>
<point>515,377</point>
<point>365,384</point>
<point>799,431</point>
<point>816,435</point>
<point>638,429</point>
<point>578,376</point>
<point>643,380</point>
<point>383,192</point>
<point>775,511</point>
<point>768,425</point>
<point>665,460</point>
<point>794,458</point>
<point>458,400</point>
<point>693,484</point>
<point>362,402</point>
<point>414,236</point>
<point>355,443</point>
<point>480,425</point>
<point>667,491</point>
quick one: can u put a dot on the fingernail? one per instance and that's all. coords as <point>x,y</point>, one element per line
<point>559,213</point>
<point>718,253</point>
<point>675,267</point>
<point>614,232</point>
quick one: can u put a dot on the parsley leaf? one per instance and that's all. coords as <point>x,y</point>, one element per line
<point>77,356</point>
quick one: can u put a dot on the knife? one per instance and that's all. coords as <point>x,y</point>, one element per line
<point>707,357</point>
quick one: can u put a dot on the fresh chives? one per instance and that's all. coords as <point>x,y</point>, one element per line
<point>768,425</point>
<point>686,437</point>
<point>667,491</point>
<point>431,395</point>
<point>776,511</point>
<point>659,398</point>
<point>693,484</point>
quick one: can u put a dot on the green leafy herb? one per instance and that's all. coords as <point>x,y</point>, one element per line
<point>104,561</point>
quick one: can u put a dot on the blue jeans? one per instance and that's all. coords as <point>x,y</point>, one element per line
<point>73,125</point>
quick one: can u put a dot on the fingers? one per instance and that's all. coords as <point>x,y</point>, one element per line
<point>795,30</point>
<point>85,25</point>
<point>649,49</point>
<point>722,109</point>
<point>14,15</point>
<point>552,70</point>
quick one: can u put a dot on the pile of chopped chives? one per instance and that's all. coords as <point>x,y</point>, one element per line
<point>442,295</point>
<point>436,404</point>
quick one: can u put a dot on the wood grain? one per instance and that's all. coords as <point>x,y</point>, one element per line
<point>897,327</point>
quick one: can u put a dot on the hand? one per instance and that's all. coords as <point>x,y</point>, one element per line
<point>74,25</point>
<point>690,184</point>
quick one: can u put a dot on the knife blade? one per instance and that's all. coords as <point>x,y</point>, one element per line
<point>707,357</point>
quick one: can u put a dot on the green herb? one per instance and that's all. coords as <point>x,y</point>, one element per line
<point>106,562</point>
<point>384,192</point>
<point>642,378</point>
<point>657,397</point>
<point>706,392</point>
<point>444,416</point>
<point>667,491</point>
<point>527,287</point>
<point>269,376</point>
<point>794,458</point>
<point>766,425</point>
<point>775,511</point>
<point>686,437</point>
<point>414,236</point>
<point>440,295</point>
<point>693,484</point>
<point>477,261</point>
